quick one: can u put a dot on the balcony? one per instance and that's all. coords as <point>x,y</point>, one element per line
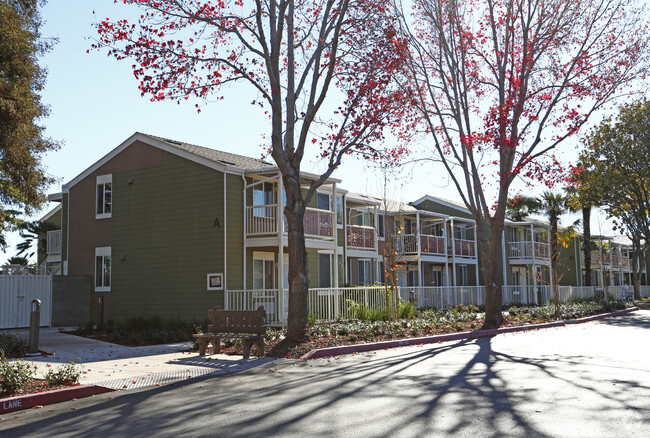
<point>599,258</point>
<point>54,242</point>
<point>261,220</point>
<point>464,248</point>
<point>529,250</point>
<point>360,237</point>
<point>408,244</point>
<point>317,223</point>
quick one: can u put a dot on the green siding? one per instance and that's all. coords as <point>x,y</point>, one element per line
<point>235,232</point>
<point>312,254</point>
<point>442,209</point>
<point>167,234</point>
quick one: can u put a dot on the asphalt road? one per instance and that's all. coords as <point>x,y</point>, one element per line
<point>586,380</point>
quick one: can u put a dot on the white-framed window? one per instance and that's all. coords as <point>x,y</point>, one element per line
<point>324,201</point>
<point>461,276</point>
<point>410,226</point>
<point>103,269</point>
<point>360,218</point>
<point>325,270</point>
<point>263,196</point>
<point>365,272</point>
<point>380,226</point>
<point>412,278</point>
<point>339,211</point>
<point>104,201</point>
<point>263,270</point>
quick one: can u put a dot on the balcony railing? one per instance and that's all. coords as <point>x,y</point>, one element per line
<point>464,248</point>
<point>407,244</point>
<point>316,222</point>
<point>529,250</point>
<point>54,242</point>
<point>262,220</point>
<point>600,258</point>
<point>361,237</point>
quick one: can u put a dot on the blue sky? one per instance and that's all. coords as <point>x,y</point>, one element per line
<point>95,105</point>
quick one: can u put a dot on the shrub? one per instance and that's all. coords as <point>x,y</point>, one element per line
<point>406,310</point>
<point>65,374</point>
<point>14,374</point>
<point>12,345</point>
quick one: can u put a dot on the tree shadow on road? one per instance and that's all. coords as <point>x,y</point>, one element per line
<point>461,388</point>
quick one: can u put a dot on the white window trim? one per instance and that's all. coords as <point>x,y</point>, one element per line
<point>103,179</point>
<point>104,251</point>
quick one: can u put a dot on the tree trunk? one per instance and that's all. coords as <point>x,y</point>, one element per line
<point>298,317</point>
<point>586,244</point>
<point>492,275</point>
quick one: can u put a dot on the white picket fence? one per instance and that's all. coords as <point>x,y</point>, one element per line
<point>331,304</point>
<point>16,295</point>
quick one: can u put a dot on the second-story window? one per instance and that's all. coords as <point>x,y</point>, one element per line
<point>324,201</point>
<point>339,209</point>
<point>360,218</point>
<point>263,195</point>
<point>380,226</point>
<point>104,201</point>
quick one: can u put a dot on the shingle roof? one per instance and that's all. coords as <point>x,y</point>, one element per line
<point>222,157</point>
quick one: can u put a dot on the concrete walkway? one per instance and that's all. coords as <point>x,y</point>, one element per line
<point>119,367</point>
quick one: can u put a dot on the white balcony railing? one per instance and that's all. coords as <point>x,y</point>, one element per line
<point>529,250</point>
<point>408,244</point>
<point>262,220</point>
<point>54,242</point>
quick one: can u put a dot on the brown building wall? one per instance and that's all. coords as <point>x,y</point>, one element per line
<point>87,232</point>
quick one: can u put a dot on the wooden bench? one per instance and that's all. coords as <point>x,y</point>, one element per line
<point>247,325</point>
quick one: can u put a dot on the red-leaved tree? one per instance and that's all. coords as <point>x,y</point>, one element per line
<point>502,83</point>
<point>321,69</point>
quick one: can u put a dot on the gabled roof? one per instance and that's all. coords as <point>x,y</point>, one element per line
<point>51,213</point>
<point>212,158</point>
<point>527,223</point>
<point>224,158</point>
<point>445,202</point>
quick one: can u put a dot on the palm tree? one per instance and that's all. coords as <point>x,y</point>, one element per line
<point>553,206</point>
<point>520,207</point>
<point>34,232</point>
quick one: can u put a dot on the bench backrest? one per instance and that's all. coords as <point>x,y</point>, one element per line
<point>237,321</point>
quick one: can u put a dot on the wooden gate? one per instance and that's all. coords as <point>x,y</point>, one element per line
<point>16,295</point>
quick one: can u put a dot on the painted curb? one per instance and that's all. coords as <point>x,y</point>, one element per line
<point>601,316</point>
<point>27,401</point>
<point>360,348</point>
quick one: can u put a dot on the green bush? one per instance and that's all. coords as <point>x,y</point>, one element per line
<point>146,331</point>
<point>65,374</point>
<point>14,374</point>
<point>12,345</point>
<point>406,310</point>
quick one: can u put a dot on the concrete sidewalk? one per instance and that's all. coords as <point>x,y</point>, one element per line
<point>119,367</point>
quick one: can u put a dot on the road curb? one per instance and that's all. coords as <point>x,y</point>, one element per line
<point>600,316</point>
<point>360,348</point>
<point>27,401</point>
